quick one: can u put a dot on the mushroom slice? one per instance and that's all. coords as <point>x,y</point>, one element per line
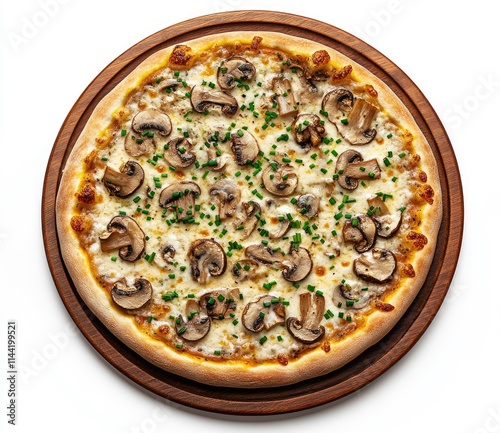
<point>132,297</point>
<point>125,235</point>
<point>206,258</point>
<point>345,158</point>
<point>202,99</point>
<point>195,326</point>
<point>152,119</point>
<point>179,153</point>
<point>308,130</point>
<point>233,71</point>
<point>167,83</point>
<point>124,182</point>
<point>246,269</point>
<point>350,168</point>
<point>362,231</point>
<point>309,205</point>
<point>297,264</point>
<point>306,80</point>
<point>283,228</point>
<point>220,303</point>
<point>137,144</point>
<point>283,95</point>
<point>180,196</point>
<point>279,179</point>
<point>244,146</point>
<point>264,313</point>
<point>228,195</point>
<point>168,253</point>
<point>307,330</point>
<point>352,117</point>
<point>363,170</point>
<point>387,224</point>
<point>377,266</point>
<point>263,254</point>
<point>248,224</point>
<point>349,296</point>
<point>214,162</point>
<point>140,140</point>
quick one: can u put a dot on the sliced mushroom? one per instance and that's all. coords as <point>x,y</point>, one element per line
<point>215,162</point>
<point>263,313</point>
<point>132,297</point>
<point>377,205</point>
<point>283,228</point>
<point>297,264</point>
<point>352,116</point>
<point>363,170</point>
<point>201,100</point>
<point>140,140</point>
<point>168,253</point>
<point>137,144</point>
<point>387,223</point>
<point>180,196</point>
<point>228,196</point>
<point>247,269</point>
<point>377,266</point>
<point>179,153</point>
<point>152,119</point>
<point>308,205</point>
<point>124,182</point>
<point>244,146</point>
<point>350,168</point>
<point>168,83</point>
<point>233,71</point>
<point>248,224</point>
<point>362,231</point>
<point>308,130</point>
<point>350,296</point>
<point>308,330</point>
<point>206,258</point>
<point>280,179</point>
<point>283,94</point>
<point>263,254</point>
<point>195,326</point>
<point>306,81</point>
<point>125,235</point>
<point>219,304</point>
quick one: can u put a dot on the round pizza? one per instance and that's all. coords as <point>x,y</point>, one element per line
<point>249,209</point>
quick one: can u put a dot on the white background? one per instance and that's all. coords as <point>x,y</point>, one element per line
<point>52,49</point>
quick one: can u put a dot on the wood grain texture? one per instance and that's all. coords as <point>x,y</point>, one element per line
<point>314,392</point>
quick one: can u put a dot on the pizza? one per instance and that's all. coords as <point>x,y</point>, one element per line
<point>249,210</point>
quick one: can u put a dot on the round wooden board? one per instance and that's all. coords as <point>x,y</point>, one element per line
<point>311,393</point>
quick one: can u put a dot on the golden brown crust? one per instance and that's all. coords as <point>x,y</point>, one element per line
<point>236,373</point>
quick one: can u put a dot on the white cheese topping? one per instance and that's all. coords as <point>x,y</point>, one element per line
<point>321,234</point>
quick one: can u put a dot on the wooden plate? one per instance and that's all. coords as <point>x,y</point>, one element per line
<point>314,392</point>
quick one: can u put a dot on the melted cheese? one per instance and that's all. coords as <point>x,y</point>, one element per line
<point>315,168</point>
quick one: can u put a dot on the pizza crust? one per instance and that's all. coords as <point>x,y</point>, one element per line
<point>235,373</point>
